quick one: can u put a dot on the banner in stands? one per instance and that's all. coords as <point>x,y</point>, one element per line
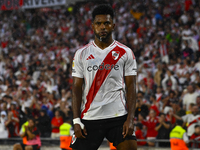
<point>10,4</point>
<point>42,3</point>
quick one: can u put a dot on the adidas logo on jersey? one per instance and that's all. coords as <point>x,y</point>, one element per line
<point>90,57</point>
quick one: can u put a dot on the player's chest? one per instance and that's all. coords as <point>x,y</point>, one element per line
<point>109,60</point>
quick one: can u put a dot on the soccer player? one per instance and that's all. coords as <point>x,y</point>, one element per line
<point>107,70</point>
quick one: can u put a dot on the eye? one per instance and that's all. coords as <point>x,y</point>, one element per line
<point>98,23</point>
<point>106,23</point>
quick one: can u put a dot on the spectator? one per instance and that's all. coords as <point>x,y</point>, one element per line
<point>196,137</point>
<point>187,52</point>
<point>3,129</point>
<point>141,107</point>
<point>24,115</point>
<point>181,73</point>
<point>25,100</point>
<point>158,73</point>
<point>190,97</point>
<point>168,100</point>
<point>178,137</point>
<point>154,104</point>
<point>56,122</point>
<point>139,134</point>
<point>163,128</point>
<point>44,124</point>
<point>178,109</point>
<point>66,133</point>
<point>169,81</point>
<point>163,50</point>
<point>191,119</point>
<point>150,124</point>
<point>12,123</point>
<point>32,135</point>
<point>159,97</point>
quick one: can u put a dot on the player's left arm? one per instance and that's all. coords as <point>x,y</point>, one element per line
<point>130,73</point>
<point>128,127</point>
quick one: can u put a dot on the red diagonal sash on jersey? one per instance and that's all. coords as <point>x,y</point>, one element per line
<point>101,76</point>
<point>194,121</point>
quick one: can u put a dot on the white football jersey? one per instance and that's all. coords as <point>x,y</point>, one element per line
<point>103,72</point>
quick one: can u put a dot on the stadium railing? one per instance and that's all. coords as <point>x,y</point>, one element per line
<point>56,142</point>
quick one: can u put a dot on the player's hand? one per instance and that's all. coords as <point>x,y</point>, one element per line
<point>128,128</point>
<point>79,133</point>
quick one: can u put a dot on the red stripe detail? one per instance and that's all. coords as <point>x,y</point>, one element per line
<point>92,56</point>
<point>194,121</point>
<point>120,44</point>
<point>100,77</point>
<point>93,44</point>
<point>133,54</point>
<point>112,44</point>
<point>83,48</point>
<point>159,98</point>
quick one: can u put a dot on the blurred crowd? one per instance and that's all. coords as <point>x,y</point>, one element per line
<point>37,47</point>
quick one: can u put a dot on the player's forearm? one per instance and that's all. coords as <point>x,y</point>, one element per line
<point>76,100</point>
<point>131,98</point>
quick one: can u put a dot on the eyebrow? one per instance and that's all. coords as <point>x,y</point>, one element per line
<point>103,21</point>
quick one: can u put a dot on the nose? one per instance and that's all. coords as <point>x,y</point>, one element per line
<point>102,26</point>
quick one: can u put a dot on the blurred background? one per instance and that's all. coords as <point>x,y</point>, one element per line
<point>38,39</point>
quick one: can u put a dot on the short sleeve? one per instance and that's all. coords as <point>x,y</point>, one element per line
<point>185,118</point>
<point>77,66</point>
<point>130,64</point>
<point>185,138</point>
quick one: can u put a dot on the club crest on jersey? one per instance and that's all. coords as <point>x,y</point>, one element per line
<point>115,54</point>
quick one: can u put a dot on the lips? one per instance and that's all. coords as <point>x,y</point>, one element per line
<point>103,33</point>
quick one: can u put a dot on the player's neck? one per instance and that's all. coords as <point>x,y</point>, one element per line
<point>103,44</point>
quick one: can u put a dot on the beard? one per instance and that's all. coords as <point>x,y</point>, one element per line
<point>194,113</point>
<point>103,38</point>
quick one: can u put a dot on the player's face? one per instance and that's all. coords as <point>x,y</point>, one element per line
<point>103,27</point>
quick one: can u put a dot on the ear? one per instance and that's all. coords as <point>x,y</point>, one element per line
<point>92,26</point>
<point>113,26</point>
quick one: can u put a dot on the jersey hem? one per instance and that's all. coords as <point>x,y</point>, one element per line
<point>105,117</point>
<point>79,76</point>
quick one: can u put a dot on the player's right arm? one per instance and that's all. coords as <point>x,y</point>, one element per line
<point>77,90</point>
<point>76,105</point>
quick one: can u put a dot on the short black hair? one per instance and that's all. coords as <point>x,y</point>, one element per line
<point>31,118</point>
<point>140,92</point>
<point>103,9</point>
<point>179,122</point>
<point>153,95</point>
<point>139,125</point>
<point>160,114</point>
